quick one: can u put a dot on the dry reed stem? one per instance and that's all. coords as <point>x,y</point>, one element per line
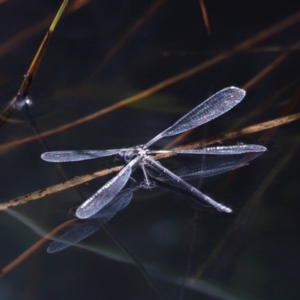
<point>23,35</point>
<point>154,7</point>
<point>205,16</point>
<point>148,92</point>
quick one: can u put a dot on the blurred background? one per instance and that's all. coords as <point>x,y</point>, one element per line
<point>103,52</point>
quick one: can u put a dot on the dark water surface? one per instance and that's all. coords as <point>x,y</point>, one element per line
<point>250,254</point>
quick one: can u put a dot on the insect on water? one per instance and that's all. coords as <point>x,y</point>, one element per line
<point>139,156</point>
<point>212,167</point>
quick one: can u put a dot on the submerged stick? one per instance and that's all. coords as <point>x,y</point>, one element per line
<point>20,99</point>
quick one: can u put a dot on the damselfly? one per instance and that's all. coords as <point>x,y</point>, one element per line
<point>139,156</point>
<point>211,167</point>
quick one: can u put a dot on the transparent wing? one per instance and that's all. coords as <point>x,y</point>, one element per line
<point>82,231</point>
<point>224,150</point>
<point>208,110</point>
<point>213,166</point>
<point>117,204</point>
<point>103,196</point>
<point>219,150</point>
<point>77,155</point>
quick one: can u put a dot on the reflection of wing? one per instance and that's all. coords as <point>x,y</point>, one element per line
<point>74,235</point>
<point>194,192</point>
<point>211,166</point>
<point>109,191</point>
<point>84,230</point>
